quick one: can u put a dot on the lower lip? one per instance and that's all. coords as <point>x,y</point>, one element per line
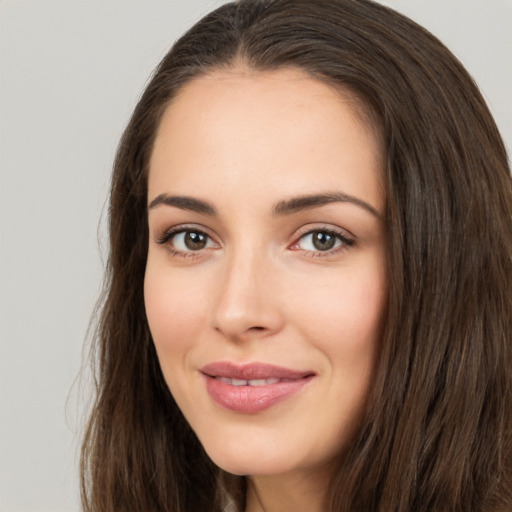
<point>252,399</point>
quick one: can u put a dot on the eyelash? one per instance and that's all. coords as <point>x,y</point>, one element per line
<point>345,241</point>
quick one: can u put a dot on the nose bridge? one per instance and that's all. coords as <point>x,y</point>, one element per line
<point>245,301</point>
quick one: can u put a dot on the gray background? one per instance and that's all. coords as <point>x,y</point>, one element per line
<point>70,73</point>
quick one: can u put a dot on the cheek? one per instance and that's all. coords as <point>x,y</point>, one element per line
<point>343,319</point>
<point>348,311</point>
<point>175,312</point>
<point>349,333</point>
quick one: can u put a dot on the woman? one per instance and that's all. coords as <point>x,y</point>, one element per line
<point>308,299</point>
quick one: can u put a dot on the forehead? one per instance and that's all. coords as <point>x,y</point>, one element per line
<point>284,87</point>
<point>258,129</point>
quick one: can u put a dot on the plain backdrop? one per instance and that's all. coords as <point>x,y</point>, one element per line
<point>70,74</point>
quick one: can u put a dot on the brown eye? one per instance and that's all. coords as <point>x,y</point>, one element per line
<point>188,240</point>
<point>195,241</point>
<point>319,241</point>
<point>323,241</point>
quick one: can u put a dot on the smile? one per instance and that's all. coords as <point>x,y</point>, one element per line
<point>252,388</point>
<point>252,382</point>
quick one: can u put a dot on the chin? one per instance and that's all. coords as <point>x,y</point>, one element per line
<point>242,466</point>
<point>261,456</point>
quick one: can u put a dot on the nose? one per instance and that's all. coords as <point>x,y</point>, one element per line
<point>248,298</point>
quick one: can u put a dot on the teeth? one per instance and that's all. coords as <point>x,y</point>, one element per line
<point>257,382</point>
<point>252,382</point>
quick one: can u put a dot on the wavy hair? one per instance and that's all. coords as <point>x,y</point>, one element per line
<point>436,434</point>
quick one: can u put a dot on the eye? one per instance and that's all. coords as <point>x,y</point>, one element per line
<point>191,241</point>
<point>319,241</point>
<point>187,240</point>
<point>322,241</point>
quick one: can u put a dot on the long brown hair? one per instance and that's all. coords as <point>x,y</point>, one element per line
<point>436,435</point>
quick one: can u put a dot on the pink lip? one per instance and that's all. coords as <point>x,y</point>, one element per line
<point>252,399</point>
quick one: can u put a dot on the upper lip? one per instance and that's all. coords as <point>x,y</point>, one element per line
<point>250,371</point>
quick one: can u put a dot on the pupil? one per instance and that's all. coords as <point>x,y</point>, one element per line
<point>323,241</point>
<point>195,241</point>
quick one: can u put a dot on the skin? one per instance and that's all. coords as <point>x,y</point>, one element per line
<point>260,290</point>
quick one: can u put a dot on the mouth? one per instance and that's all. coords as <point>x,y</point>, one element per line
<point>252,382</point>
<point>254,387</point>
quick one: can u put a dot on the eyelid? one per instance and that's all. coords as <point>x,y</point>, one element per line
<point>162,237</point>
<point>330,228</point>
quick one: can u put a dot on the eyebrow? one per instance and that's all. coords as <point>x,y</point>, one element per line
<point>184,203</point>
<point>282,208</point>
<point>308,202</point>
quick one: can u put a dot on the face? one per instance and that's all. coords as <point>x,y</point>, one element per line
<point>265,284</point>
